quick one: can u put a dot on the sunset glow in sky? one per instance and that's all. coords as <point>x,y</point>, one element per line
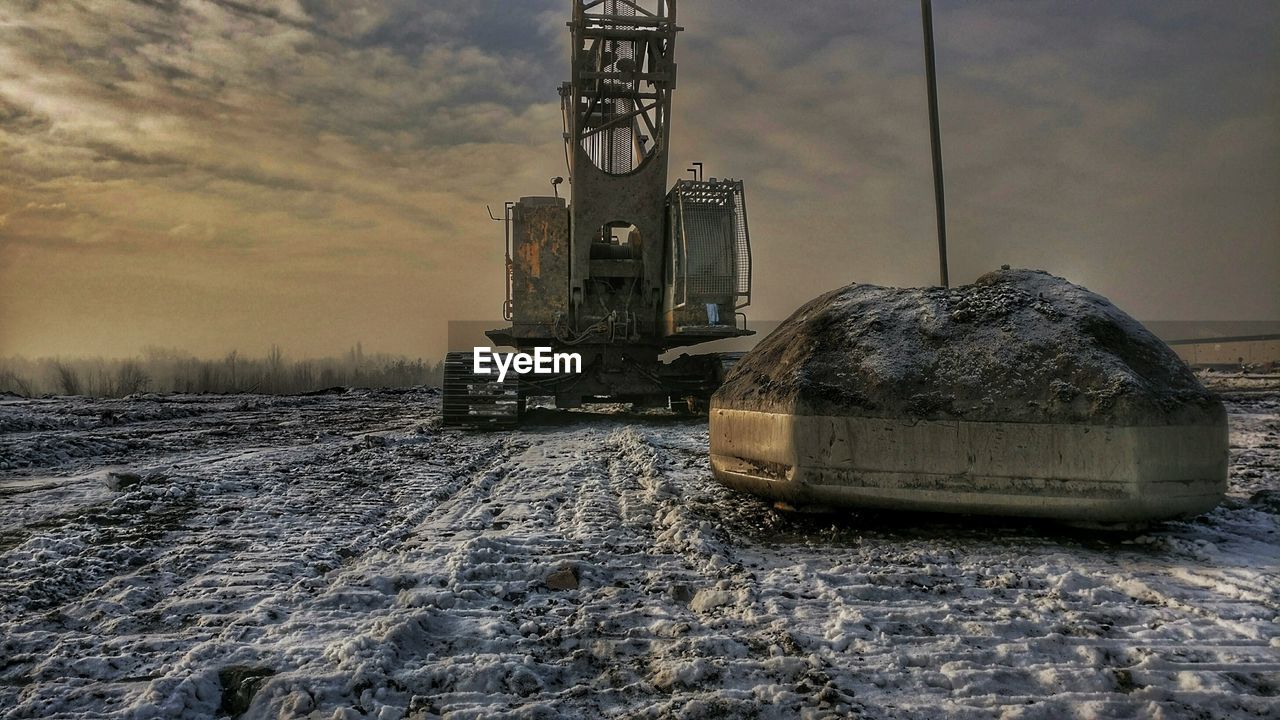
<point>219,174</point>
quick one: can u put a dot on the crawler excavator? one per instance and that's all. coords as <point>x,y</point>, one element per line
<point>630,269</point>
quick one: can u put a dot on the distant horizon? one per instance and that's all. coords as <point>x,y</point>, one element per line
<point>1167,330</point>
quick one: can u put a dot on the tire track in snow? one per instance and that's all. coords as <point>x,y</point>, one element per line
<point>183,580</point>
<point>381,570</point>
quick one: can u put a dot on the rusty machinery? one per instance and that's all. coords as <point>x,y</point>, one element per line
<point>628,270</point>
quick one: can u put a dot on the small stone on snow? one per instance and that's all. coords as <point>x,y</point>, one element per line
<point>565,578</point>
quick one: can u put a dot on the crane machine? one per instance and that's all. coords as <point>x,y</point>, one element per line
<point>630,269</point>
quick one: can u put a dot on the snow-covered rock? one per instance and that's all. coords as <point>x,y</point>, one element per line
<point>1015,346</point>
<point>1021,394</point>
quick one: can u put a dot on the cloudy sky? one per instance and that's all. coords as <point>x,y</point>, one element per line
<point>218,174</point>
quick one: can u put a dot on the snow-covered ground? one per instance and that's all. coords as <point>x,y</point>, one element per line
<point>344,557</point>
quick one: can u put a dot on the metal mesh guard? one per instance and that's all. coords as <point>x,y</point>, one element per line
<point>712,247</point>
<point>613,149</point>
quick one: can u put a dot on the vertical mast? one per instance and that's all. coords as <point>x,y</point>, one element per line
<point>617,108</point>
<point>935,139</point>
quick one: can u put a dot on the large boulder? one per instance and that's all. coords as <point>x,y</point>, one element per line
<point>1016,345</point>
<point>973,392</point>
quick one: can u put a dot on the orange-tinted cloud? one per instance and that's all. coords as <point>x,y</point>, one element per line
<point>232,173</point>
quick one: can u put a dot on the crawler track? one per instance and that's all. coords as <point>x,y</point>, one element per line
<point>478,401</point>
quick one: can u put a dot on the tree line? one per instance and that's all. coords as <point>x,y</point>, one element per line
<point>165,370</point>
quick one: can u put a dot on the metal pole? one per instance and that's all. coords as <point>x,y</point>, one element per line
<point>931,77</point>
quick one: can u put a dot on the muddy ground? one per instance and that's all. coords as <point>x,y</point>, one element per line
<point>342,556</point>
